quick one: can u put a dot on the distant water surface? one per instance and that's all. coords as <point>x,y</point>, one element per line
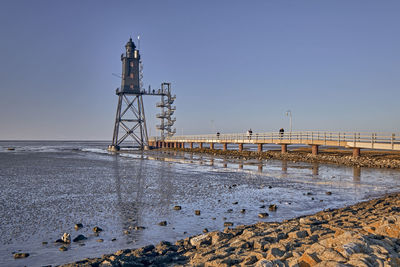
<point>48,187</point>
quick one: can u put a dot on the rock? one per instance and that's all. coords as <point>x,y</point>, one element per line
<point>205,230</point>
<point>197,212</point>
<point>126,232</point>
<point>262,207</point>
<point>263,215</point>
<point>177,207</point>
<point>21,255</point>
<point>243,210</point>
<point>328,193</point>
<point>11,149</point>
<point>235,203</point>
<point>66,238</point>
<point>97,229</point>
<point>139,227</point>
<point>79,238</point>
<point>114,239</point>
<point>44,243</point>
<point>272,207</point>
<point>162,223</point>
<point>308,260</point>
<point>226,224</point>
<point>63,248</point>
<point>229,210</point>
<point>100,240</point>
<point>200,240</point>
<point>78,226</point>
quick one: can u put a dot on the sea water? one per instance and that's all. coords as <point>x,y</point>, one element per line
<point>48,187</point>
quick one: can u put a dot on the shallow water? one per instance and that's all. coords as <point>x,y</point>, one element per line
<point>48,187</point>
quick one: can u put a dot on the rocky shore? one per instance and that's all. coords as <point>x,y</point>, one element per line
<point>371,159</point>
<point>365,234</point>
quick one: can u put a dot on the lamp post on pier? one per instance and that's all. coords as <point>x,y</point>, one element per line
<point>289,114</point>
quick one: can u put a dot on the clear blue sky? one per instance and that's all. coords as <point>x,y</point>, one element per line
<point>233,65</point>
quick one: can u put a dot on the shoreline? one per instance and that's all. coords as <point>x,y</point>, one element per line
<point>364,234</point>
<point>369,158</point>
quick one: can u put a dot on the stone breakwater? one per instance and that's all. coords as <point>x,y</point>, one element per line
<point>365,234</point>
<point>368,159</point>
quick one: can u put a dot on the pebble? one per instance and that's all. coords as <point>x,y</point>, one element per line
<point>328,193</point>
<point>177,207</point>
<point>63,248</point>
<point>140,227</point>
<point>97,229</point>
<point>243,210</point>
<point>226,224</point>
<point>197,212</point>
<point>235,203</point>
<point>100,240</point>
<point>205,230</point>
<point>78,226</point>
<point>21,255</point>
<point>272,207</point>
<point>162,223</point>
<point>79,238</point>
<point>263,215</point>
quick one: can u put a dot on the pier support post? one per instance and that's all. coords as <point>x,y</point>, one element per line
<point>356,152</point>
<point>183,145</point>
<point>283,148</point>
<point>241,147</point>
<point>164,144</point>
<point>175,144</point>
<point>260,148</point>
<point>191,145</point>
<point>225,146</point>
<point>211,145</point>
<point>200,145</point>
<point>314,149</point>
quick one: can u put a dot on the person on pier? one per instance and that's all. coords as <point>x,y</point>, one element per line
<point>281,131</point>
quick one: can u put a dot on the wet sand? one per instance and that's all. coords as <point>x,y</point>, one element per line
<point>365,234</point>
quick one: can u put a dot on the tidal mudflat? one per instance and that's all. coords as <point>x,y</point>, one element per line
<point>48,187</point>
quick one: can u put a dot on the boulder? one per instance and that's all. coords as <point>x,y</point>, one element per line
<point>78,226</point>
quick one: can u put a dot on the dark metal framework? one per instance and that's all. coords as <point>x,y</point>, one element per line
<point>131,119</point>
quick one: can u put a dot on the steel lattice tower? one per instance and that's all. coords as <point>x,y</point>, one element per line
<point>130,118</point>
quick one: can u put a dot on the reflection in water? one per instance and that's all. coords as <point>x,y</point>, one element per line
<point>315,168</point>
<point>356,174</point>
<point>260,167</point>
<point>241,166</point>
<point>284,166</point>
<point>128,210</point>
<point>212,162</point>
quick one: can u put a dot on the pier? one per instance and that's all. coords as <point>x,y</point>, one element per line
<point>352,140</point>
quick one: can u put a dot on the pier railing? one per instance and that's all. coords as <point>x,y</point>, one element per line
<point>346,139</point>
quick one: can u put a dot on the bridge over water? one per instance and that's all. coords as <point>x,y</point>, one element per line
<point>352,140</point>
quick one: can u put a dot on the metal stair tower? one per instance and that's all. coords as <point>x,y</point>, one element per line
<point>167,110</point>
